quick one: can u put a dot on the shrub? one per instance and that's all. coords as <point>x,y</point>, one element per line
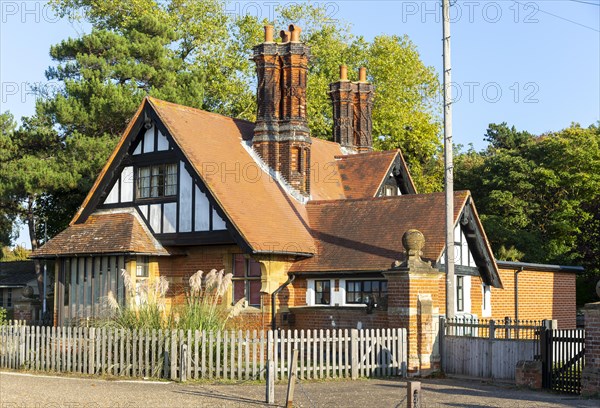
<point>3,314</point>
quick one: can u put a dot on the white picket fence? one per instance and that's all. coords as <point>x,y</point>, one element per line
<point>175,354</point>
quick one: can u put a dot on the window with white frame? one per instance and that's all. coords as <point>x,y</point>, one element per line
<point>486,304</point>
<point>460,293</point>
<point>9,297</point>
<point>319,292</point>
<point>246,280</point>
<point>323,292</point>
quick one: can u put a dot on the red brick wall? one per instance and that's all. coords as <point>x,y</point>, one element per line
<point>337,318</point>
<point>542,295</point>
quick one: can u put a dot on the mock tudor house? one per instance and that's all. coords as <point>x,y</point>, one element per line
<point>317,234</point>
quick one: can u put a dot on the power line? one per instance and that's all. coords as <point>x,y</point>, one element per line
<point>560,17</point>
<point>586,2</point>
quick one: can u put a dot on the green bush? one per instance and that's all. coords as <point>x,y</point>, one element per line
<point>3,314</point>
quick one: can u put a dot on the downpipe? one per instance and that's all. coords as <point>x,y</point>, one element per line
<point>274,296</point>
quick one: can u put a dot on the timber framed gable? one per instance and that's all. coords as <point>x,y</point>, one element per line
<point>189,215</point>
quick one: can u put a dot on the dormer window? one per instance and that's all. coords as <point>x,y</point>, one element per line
<point>157,181</point>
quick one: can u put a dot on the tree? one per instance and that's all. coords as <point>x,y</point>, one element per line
<point>7,216</point>
<point>33,167</point>
<point>196,54</point>
<point>538,195</point>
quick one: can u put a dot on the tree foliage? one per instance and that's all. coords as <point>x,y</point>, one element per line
<point>196,54</point>
<point>538,195</point>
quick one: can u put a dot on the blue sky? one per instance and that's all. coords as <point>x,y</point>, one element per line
<point>533,64</point>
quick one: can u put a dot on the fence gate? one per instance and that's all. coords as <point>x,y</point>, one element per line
<point>563,358</point>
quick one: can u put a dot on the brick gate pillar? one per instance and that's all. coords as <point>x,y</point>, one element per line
<point>590,376</point>
<point>413,303</point>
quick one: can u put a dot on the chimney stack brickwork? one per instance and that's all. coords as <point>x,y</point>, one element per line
<point>352,111</point>
<point>281,134</point>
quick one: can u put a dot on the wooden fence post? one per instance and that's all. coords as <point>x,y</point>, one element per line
<point>442,337</point>
<point>183,363</point>
<point>354,351</point>
<point>289,399</point>
<point>270,392</point>
<point>492,336</point>
<point>413,397</point>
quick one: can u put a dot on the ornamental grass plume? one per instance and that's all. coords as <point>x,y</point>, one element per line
<point>211,279</point>
<point>196,282</point>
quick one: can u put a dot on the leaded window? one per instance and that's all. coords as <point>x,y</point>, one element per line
<point>157,181</point>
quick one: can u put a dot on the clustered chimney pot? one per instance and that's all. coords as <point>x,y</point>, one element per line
<point>343,73</point>
<point>268,33</point>
<point>285,36</point>
<point>295,30</point>
<point>362,74</point>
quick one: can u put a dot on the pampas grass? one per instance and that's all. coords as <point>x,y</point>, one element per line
<point>146,307</point>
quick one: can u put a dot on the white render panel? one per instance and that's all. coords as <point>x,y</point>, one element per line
<point>138,149</point>
<point>202,211</point>
<point>155,218</point>
<point>170,218</point>
<point>162,142</point>
<point>185,199</point>
<point>149,140</point>
<point>218,223</point>
<point>127,184</point>
<point>113,196</point>
<point>144,211</point>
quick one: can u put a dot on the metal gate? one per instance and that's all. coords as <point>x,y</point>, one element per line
<point>563,358</point>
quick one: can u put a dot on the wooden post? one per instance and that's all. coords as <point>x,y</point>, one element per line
<point>270,392</point>
<point>354,351</point>
<point>289,399</point>
<point>183,363</point>
<point>413,397</point>
<point>492,336</point>
<point>442,337</point>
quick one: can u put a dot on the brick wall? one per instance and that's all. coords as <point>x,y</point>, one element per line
<point>343,317</point>
<point>590,377</point>
<point>542,295</point>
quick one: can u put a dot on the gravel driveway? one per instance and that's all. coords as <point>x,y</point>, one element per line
<point>28,390</point>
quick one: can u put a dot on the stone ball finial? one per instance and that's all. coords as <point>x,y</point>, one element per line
<point>413,241</point>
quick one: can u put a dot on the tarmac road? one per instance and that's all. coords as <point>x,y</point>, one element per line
<point>19,390</point>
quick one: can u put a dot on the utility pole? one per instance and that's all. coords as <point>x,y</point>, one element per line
<point>449,170</point>
<point>45,271</point>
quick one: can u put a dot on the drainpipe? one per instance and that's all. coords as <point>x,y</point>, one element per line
<point>273,296</point>
<point>517,294</point>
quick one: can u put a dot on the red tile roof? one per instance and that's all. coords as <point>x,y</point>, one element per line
<point>262,212</point>
<point>103,233</point>
<point>362,174</point>
<point>366,234</point>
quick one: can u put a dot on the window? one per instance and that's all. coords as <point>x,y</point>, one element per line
<point>246,280</point>
<point>460,294</point>
<point>322,292</point>
<point>1,297</point>
<point>486,307</point>
<point>390,191</point>
<point>157,181</point>
<point>9,297</point>
<point>361,292</point>
<point>141,267</point>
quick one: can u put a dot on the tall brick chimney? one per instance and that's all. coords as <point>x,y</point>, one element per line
<point>281,134</point>
<point>352,111</point>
